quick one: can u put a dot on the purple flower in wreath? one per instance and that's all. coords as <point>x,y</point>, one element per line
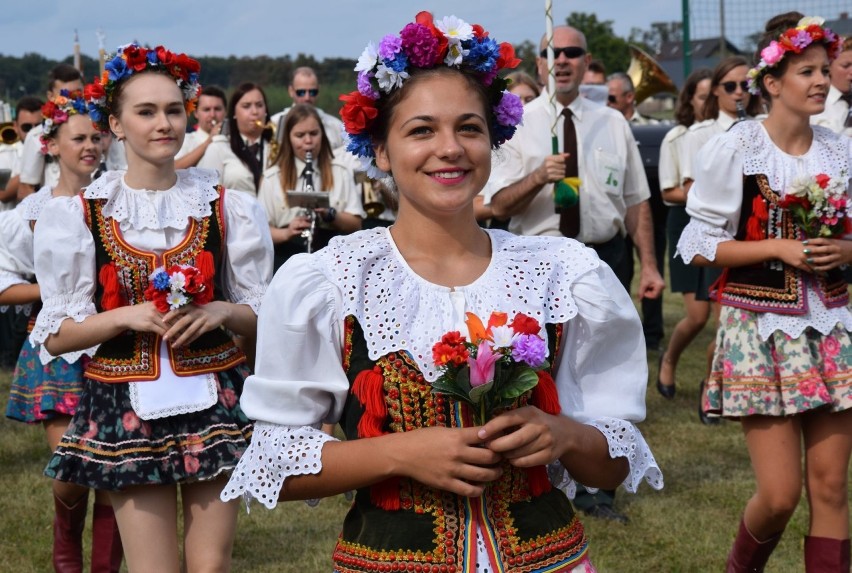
<point>510,110</point>
<point>419,45</point>
<point>389,47</point>
<point>365,85</point>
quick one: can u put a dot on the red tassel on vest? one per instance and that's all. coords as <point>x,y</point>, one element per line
<point>756,226</point>
<point>368,388</point>
<point>204,263</point>
<point>538,480</point>
<point>544,394</point>
<point>108,277</point>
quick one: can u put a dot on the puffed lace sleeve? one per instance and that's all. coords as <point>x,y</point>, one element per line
<point>298,385</point>
<point>602,374</point>
<point>64,254</point>
<point>249,250</point>
<point>16,251</point>
<point>715,199</point>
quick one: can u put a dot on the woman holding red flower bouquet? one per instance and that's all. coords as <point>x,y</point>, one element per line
<point>151,272</point>
<point>460,362</point>
<point>783,360</point>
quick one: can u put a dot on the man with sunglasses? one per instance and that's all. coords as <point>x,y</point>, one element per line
<point>304,88</point>
<point>622,97</point>
<point>613,196</point>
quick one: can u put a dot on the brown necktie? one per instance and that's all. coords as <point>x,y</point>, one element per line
<point>847,97</point>
<point>569,217</point>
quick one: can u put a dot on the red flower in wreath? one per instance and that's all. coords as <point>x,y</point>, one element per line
<point>507,57</point>
<point>358,112</point>
<point>136,57</point>
<point>523,324</point>
<point>94,90</point>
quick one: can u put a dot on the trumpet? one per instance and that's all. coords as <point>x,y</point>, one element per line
<point>273,141</point>
<point>8,134</point>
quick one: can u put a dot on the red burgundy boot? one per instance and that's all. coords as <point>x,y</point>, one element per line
<point>748,555</point>
<point>68,524</point>
<point>106,541</point>
<point>824,555</point>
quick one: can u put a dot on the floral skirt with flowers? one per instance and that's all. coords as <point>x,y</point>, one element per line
<point>41,392</point>
<point>781,376</point>
<point>107,446</point>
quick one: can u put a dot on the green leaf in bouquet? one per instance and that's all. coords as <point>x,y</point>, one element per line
<point>449,389</point>
<point>477,392</point>
<point>463,380</point>
<point>524,379</point>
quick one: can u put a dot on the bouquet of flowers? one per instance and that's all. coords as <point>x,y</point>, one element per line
<point>819,205</point>
<point>498,364</point>
<point>176,287</point>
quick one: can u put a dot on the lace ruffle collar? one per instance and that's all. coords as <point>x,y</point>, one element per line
<point>828,154</point>
<point>144,209</point>
<point>30,208</point>
<point>400,310</point>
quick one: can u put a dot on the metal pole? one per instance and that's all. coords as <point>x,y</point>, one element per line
<point>723,48</point>
<point>686,41</point>
<point>551,73</point>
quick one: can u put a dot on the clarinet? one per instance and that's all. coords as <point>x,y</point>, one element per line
<point>308,185</point>
<point>741,113</point>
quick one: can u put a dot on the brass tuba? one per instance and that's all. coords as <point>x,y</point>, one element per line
<point>647,75</point>
<point>8,133</point>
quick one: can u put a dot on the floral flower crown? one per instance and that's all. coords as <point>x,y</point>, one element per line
<point>132,59</point>
<point>806,32</point>
<point>57,111</point>
<point>425,44</point>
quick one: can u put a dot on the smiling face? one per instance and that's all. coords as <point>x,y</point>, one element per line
<point>151,119</point>
<point>438,146</point>
<point>803,86</point>
<point>77,144</point>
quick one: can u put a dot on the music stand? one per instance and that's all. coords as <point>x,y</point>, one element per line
<point>309,200</point>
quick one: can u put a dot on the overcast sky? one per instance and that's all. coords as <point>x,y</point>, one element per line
<point>324,28</point>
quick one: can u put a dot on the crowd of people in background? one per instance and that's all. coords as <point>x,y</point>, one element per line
<point>104,187</point>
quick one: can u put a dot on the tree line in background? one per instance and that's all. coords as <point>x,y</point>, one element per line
<point>27,75</point>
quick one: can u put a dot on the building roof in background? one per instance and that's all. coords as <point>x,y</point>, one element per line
<point>700,49</point>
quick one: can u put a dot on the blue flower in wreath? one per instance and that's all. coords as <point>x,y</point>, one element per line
<point>117,68</point>
<point>161,280</point>
<point>483,55</point>
<point>360,145</point>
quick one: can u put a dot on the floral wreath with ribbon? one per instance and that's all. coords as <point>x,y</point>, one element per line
<point>426,44</point>
<point>132,59</point>
<point>57,111</point>
<point>809,30</point>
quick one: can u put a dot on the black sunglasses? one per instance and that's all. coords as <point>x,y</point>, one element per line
<point>611,98</point>
<point>731,87</point>
<point>26,127</point>
<point>312,92</point>
<point>569,52</point>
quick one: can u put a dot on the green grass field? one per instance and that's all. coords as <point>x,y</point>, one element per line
<point>687,527</point>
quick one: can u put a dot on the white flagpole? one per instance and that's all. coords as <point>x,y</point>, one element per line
<point>551,73</point>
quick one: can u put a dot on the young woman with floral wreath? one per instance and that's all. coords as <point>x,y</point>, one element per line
<point>783,359</point>
<point>49,393</point>
<point>372,323</point>
<point>144,272</point>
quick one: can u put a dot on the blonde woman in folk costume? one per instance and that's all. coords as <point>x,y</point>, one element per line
<point>365,319</point>
<point>770,203</point>
<point>48,393</point>
<point>145,272</point>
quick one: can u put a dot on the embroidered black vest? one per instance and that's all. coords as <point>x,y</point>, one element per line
<point>773,286</point>
<point>134,356</point>
<point>432,530</point>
